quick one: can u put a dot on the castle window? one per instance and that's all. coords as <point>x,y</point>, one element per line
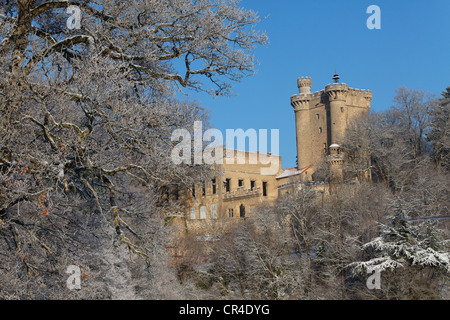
<point>241,183</point>
<point>230,213</point>
<point>252,184</point>
<point>320,130</point>
<point>317,116</point>
<point>204,189</point>
<point>214,189</point>
<point>242,211</point>
<point>264,189</point>
<point>203,212</point>
<point>192,213</point>
<point>342,109</point>
<point>213,211</point>
<point>193,191</point>
<point>227,185</point>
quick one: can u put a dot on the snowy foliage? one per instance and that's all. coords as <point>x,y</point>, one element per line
<point>403,243</point>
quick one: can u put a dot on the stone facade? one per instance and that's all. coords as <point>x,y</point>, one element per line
<point>236,192</point>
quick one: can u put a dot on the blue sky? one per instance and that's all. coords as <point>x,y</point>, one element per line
<point>313,38</point>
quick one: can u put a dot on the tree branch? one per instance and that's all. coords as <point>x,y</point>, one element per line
<point>65,4</point>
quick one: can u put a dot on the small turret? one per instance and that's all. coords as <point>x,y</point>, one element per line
<point>334,149</point>
<point>304,85</point>
<point>335,161</point>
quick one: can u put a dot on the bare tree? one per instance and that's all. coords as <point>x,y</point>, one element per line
<point>439,134</point>
<point>256,260</point>
<point>87,118</point>
<point>300,208</point>
<point>414,106</point>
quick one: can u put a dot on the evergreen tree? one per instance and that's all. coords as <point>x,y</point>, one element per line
<point>403,244</point>
<point>446,93</point>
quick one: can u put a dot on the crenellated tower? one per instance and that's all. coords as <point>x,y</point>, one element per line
<point>301,105</point>
<point>322,118</point>
<point>337,97</point>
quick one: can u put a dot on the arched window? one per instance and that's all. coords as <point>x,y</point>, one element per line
<point>242,211</point>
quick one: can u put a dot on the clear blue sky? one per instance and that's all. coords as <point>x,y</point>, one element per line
<point>312,38</point>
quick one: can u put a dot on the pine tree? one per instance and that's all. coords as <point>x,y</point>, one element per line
<point>446,93</point>
<point>403,244</point>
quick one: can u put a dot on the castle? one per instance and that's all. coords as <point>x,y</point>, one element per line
<point>321,120</point>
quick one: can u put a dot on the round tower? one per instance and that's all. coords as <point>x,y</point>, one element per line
<point>301,105</point>
<point>337,96</point>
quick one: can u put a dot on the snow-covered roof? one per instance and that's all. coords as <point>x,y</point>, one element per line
<point>288,173</point>
<point>291,172</point>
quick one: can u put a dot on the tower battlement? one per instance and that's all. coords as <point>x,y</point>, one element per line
<point>360,93</point>
<point>304,85</point>
<point>302,96</point>
<point>301,101</point>
<point>304,82</point>
<point>318,94</point>
<point>336,86</point>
